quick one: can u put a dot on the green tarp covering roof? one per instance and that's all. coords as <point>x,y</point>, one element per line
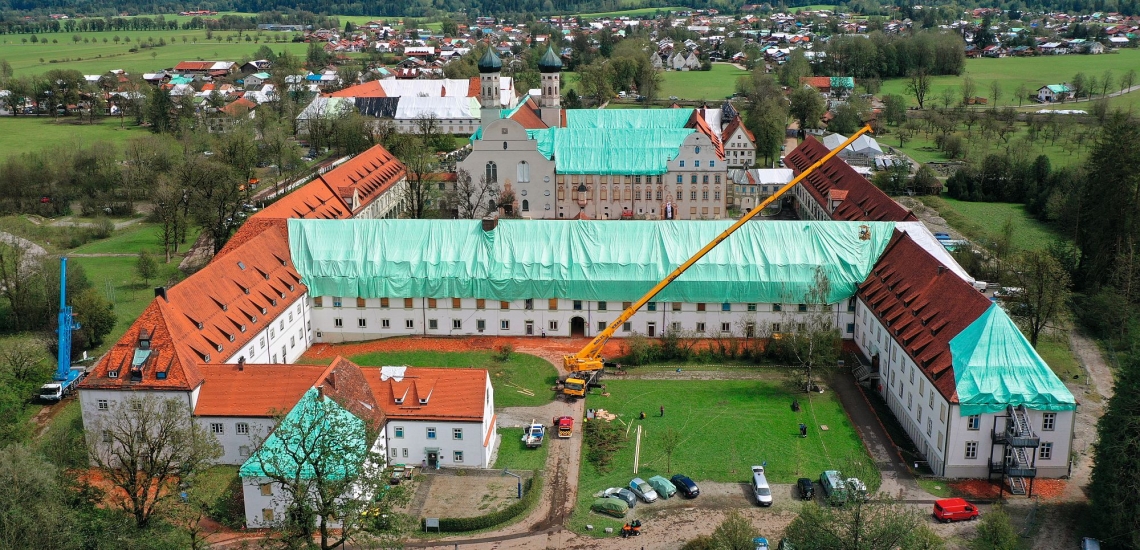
<point>995,366</point>
<point>615,119</point>
<point>843,82</point>
<point>610,151</point>
<point>326,426</point>
<point>763,262</point>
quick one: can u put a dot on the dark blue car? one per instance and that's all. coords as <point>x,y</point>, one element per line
<point>685,486</point>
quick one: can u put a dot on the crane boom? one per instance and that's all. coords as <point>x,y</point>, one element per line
<point>589,357</point>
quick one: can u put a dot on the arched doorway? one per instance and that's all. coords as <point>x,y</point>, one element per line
<point>577,326</point>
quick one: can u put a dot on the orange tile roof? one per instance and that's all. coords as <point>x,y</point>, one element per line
<point>453,394</point>
<point>365,177</point>
<point>254,390</point>
<point>732,126</point>
<point>528,116</point>
<point>701,125</point>
<point>314,200</point>
<point>194,66</point>
<point>818,82</point>
<point>863,202</point>
<point>473,87</point>
<point>235,107</point>
<point>371,88</point>
<point>345,383</point>
<point>248,230</point>
<point>164,369</point>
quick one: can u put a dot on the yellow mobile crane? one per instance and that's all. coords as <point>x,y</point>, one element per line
<point>586,366</point>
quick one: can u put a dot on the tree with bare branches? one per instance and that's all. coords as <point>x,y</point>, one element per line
<point>472,199</point>
<point>809,336</point>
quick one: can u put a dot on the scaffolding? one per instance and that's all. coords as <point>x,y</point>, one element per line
<point>1018,460</point>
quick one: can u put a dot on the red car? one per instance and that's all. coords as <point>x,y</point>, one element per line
<point>954,509</point>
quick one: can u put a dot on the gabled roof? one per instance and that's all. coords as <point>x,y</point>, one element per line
<point>698,123</point>
<point>235,108</point>
<point>366,176</point>
<point>314,422</point>
<point>314,200</point>
<point>864,202</point>
<point>165,367</point>
<point>733,126</point>
<point>527,114</point>
<point>923,304</point>
<point>345,383</point>
<point>371,88</point>
<point>254,390</point>
<point>450,394</point>
<point>819,82</point>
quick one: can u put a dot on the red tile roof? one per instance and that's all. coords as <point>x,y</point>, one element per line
<point>923,305</point>
<point>166,368</point>
<point>528,115</point>
<point>254,390</point>
<point>365,177</point>
<point>248,230</point>
<point>235,108</point>
<point>194,66</point>
<point>697,122</point>
<point>473,87</point>
<point>345,383</point>
<point>818,82</point>
<point>455,394</point>
<point>371,88</point>
<point>313,201</point>
<point>864,201</point>
<point>732,126</point>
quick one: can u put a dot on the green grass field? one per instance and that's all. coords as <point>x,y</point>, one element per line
<point>1033,71</point>
<point>712,85</point>
<point>513,453</point>
<point>26,134</point>
<point>532,373</point>
<point>1065,151</point>
<point>814,7</point>
<point>116,280</point>
<point>984,221</point>
<point>725,428</point>
<point>98,57</point>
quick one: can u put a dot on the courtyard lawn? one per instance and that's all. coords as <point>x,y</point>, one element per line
<point>713,85</point>
<point>27,134</point>
<point>1035,72</point>
<point>515,456</point>
<point>520,371</point>
<point>136,238</point>
<point>725,427</point>
<point>983,221</point>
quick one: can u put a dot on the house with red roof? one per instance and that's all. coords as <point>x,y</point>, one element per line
<point>835,191</point>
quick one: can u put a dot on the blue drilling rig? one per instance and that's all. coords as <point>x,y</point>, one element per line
<point>67,377</point>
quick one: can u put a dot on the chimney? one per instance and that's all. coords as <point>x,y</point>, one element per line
<point>160,292</point>
<point>490,222</point>
<point>941,268</point>
<point>241,363</point>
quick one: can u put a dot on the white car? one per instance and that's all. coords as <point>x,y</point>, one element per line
<point>643,489</point>
<point>857,488</point>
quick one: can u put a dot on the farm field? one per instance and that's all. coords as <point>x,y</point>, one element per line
<point>725,427</point>
<point>712,85</point>
<point>532,373</point>
<point>984,221</point>
<point>1063,152</point>
<point>1033,71</point>
<point>26,134</point>
<point>99,56</point>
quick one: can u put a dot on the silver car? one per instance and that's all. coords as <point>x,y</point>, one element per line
<point>643,489</point>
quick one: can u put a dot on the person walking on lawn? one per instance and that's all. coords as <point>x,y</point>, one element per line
<point>662,411</point>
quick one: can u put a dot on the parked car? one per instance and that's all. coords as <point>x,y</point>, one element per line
<point>621,494</point>
<point>664,487</point>
<point>685,486</point>
<point>610,506</point>
<point>857,488</point>
<point>807,490</point>
<point>954,509</point>
<point>642,489</point>
<point>1089,543</point>
<point>760,487</point>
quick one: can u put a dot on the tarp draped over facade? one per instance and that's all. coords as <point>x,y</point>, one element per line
<point>995,366</point>
<point>621,151</point>
<point>630,119</point>
<point>313,418</point>
<point>769,262</point>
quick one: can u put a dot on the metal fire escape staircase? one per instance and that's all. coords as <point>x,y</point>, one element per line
<point>1018,459</point>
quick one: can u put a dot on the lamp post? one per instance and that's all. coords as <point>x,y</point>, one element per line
<point>507,472</point>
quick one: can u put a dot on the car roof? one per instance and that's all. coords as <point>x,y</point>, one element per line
<point>637,480</point>
<point>951,502</point>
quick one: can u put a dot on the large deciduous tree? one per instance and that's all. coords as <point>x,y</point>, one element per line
<point>1044,291</point>
<point>470,198</point>
<point>1116,472</point>
<point>881,525</point>
<point>33,506</point>
<point>807,107</point>
<point>809,337</point>
<point>144,446</point>
<point>919,86</point>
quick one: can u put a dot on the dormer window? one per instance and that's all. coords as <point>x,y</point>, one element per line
<point>231,337</point>
<point>241,266</point>
<point>241,328</point>
<point>399,400</point>
<point>207,356</point>
<point>262,312</point>
<point>218,347</point>
<point>423,401</point>
<point>112,374</point>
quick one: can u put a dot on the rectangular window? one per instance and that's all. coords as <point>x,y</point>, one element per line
<point>751,307</point>
<point>243,450</point>
<point>910,402</point>
<point>777,307</point>
<point>361,302</point>
<point>528,303</point>
<point>850,328</point>
<point>553,326</point>
<point>552,304</point>
<point>1048,422</point>
<point>504,325</point>
<point>1045,452</point>
<point>480,325</point>
<point>431,433</point>
<point>385,323</point>
<point>974,422</point>
<point>726,307</point>
<point>106,436</point>
<point>504,305</point>
<point>457,456</point>
<point>680,179</point>
<point>241,428</point>
<point>652,306</point>
<point>408,303</point>
<point>362,322</point>
<point>267,513</point>
<point>217,428</point>
<point>942,412</point>
<point>920,415</point>
<point>929,426</point>
<point>851,304</point>
<point>577,305</point>
<point>602,306</point>
<point>480,303</point>
<point>626,327</point>
<point>700,327</point>
<point>409,324</point>
<point>318,302</point>
<point>675,326</point>
<point>802,307</point>
<point>725,327</point>
<point>676,306</point>
<point>682,164</point>
<point>431,303</point>
<point>457,433</point>
<point>931,403</point>
<point>712,164</point>
<point>338,322</point>
<point>102,404</point>
<point>336,301</point>
<point>456,324</point>
<point>971,450</point>
<point>266,490</point>
<point>383,302</point>
<point>404,452</point>
<point>625,305</point>
<point>433,324</point>
<point>601,326</point>
<point>456,303</point>
<point>705,194</point>
<point>398,432</point>
<point>776,328</point>
<point>696,164</point>
<point>700,306</point>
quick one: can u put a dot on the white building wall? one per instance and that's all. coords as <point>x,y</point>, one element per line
<point>517,164</point>
<point>388,205</point>
<point>96,405</point>
<point>535,318</point>
<point>236,446</point>
<point>938,427</point>
<point>739,151</point>
<point>283,339</point>
<point>408,442</point>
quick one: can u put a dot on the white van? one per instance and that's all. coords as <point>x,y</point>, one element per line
<point>760,487</point>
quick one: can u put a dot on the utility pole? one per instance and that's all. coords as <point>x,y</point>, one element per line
<point>637,450</point>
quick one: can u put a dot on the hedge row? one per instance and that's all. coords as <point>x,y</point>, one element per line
<point>532,489</point>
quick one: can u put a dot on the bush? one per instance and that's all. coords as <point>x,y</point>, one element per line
<point>103,228</point>
<point>229,509</point>
<point>503,353</point>
<point>603,440</point>
<point>532,489</point>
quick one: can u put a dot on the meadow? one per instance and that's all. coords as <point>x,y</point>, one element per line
<point>985,220</point>
<point>1034,72</point>
<point>27,134</point>
<point>713,85</point>
<point>632,12</point>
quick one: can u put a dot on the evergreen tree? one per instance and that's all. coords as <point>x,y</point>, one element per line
<point>1116,471</point>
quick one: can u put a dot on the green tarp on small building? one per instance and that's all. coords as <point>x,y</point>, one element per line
<point>763,262</point>
<point>995,366</point>
<point>314,423</point>
<point>842,82</point>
